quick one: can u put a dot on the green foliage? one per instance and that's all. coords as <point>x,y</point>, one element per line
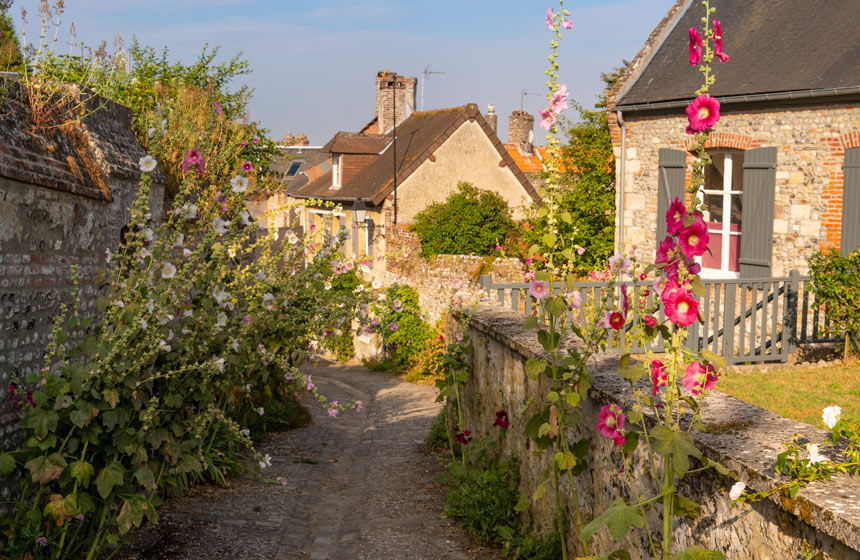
<point>399,321</point>
<point>437,437</point>
<point>530,547</point>
<point>10,51</point>
<point>836,283</point>
<point>470,222</point>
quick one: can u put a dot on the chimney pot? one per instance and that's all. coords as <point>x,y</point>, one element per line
<point>492,117</point>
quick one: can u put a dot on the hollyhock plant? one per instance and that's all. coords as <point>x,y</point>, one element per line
<point>700,377</point>
<point>693,239</point>
<point>703,113</point>
<point>538,290</point>
<point>547,119</point>
<point>718,42</point>
<point>558,103</point>
<point>675,217</point>
<point>550,19</point>
<point>616,320</point>
<point>695,46</point>
<point>681,308</point>
<point>658,376</point>
<point>502,419</point>
<point>610,423</point>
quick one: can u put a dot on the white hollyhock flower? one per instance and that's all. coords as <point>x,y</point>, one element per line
<point>220,226</point>
<point>359,288</point>
<point>143,323</point>
<point>108,256</point>
<point>168,272</point>
<point>144,252</point>
<point>189,211</point>
<point>737,490</point>
<point>246,218</point>
<point>327,285</point>
<point>266,462</point>
<point>147,163</point>
<point>239,184</point>
<point>186,253</point>
<point>220,295</point>
<point>222,320</point>
<point>147,234</point>
<point>219,364</point>
<point>180,240</point>
<point>245,432</point>
<point>292,238</point>
<point>119,303</point>
<point>150,133</point>
<point>814,455</point>
<point>267,297</point>
<point>831,416</point>
<point>376,284</point>
<point>164,346</point>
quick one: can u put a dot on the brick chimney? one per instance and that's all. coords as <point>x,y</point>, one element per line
<point>492,117</point>
<point>393,92</point>
<point>521,131</point>
<point>302,140</point>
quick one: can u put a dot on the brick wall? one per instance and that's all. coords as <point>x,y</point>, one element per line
<point>391,96</point>
<point>520,124</point>
<point>811,143</point>
<point>63,201</point>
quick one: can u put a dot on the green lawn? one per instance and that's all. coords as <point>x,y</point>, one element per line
<point>800,394</point>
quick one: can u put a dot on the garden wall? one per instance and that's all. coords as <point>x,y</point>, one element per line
<point>823,517</point>
<point>64,199</point>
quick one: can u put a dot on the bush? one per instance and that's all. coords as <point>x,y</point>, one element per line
<point>427,362</point>
<point>437,437</point>
<point>399,321</point>
<point>470,222</point>
<point>836,283</point>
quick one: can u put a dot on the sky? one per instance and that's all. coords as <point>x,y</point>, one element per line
<point>315,61</point>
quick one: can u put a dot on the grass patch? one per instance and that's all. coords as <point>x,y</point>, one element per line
<point>385,364</point>
<point>799,394</point>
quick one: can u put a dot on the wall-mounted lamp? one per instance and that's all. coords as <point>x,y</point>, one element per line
<point>359,211</point>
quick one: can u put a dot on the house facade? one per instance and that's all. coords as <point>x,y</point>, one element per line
<point>785,177</point>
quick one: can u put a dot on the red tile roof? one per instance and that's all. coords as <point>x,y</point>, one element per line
<point>528,163</point>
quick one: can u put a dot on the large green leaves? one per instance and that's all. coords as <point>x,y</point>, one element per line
<point>678,445</point>
<point>109,477</point>
<point>46,468</point>
<point>7,463</point>
<point>618,519</point>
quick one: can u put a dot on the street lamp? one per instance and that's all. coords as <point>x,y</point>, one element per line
<point>359,211</point>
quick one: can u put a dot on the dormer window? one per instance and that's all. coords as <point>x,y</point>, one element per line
<point>294,168</point>
<point>336,171</point>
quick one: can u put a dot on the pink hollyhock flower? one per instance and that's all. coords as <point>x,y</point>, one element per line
<point>576,300</point>
<point>695,46</point>
<point>616,320</point>
<point>700,378</point>
<point>247,167</point>
<point>502,419</point>
<point>218,109</point>
<point>693,240</point>
<point>718,42</point>
<point>675,216</point>
<point>538,290</point>
<point>194,158</point>
<point>547,118</point>
<point>681,308</point>
<point>666,254</point>
<point>703,113</point>
<point>650,321</point>
<point>332,412</point>
<point>625,303</point>
<point>566,23</point>
<point>658,376</point>
<point>550,19</point>
<point>358,406</point>
<point>610,422</point>
<point>580,250</point>
<point>394,327</point>
<point>619,263</point>
<point>558,103</point>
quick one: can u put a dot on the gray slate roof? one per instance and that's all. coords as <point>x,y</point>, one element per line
<point>775,46</point>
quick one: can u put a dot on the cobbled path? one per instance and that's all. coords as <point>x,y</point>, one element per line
<point>362,486</point>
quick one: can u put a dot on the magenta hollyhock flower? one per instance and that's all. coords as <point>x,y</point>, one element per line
<point>616,320</point>
<point>502,419</point>
<point>538,290</point>
<point>718,42</point>
<point>658,376</point>
<point>547,118</point>
<point>463,437</point>
<point>695,46</point>
<point>703,113</point>
<point>675,216</point>
<point>693,239</point>
<point>666,254</point>
<point>610,422</point>
<point>558,103</point>
<point>566,23</point>
<point>700,377</point>
<point>218,109</point>
<point>650,321</point>
<point>42,541</point>
<point>247,167</point>
<point>681,308</point>
<point>693,267</point>
<point>550,19</point>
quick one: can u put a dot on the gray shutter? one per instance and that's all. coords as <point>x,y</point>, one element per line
<point>671,172</point>
<point>757,220</point>
<point>850,240</point>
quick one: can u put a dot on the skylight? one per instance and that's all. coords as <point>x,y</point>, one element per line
<point>294,168</point>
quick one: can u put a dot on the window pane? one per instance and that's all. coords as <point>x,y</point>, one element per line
<point>714,210</point>
<point>737,211</point>
<point>737,171</point>
<point>714,172</point>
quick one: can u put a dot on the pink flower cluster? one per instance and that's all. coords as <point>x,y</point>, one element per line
<point>557,105</point>
<point>194,159</point>
<point>610,423</point>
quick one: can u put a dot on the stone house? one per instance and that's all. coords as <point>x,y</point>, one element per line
<point>395,176</point>
<point>65,194</point>
<point>785,178</point>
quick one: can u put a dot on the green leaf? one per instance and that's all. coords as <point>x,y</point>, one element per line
<point>82,472</point>
<point>556,306</point>
<point>719,468</point>
<point>102,304</point>
<point>631,443</point>
<point>618,519</point>
<point>130,514</point>
<point>530,323</point>
<point>110,476</point>
<point>697,553</point>
<point>41,421</point>
<point>45,469</point>
<point>79,418</point>
<point>90,346</point>
<point>552,396</point>
<point>677,444</point>
<point>535,367</point>
<point>718,361</point>
<point>522,504</point>
<point>565,217</point>
<point>685,507</point>
<point>544,429</point>
<point>698,287</point>
<point>539,493</point>
<point>565,460</point>
<point>572,398</point>
<point>145,478</point>
<point>534,250</point>
<point>543,275</point>
<point>63,401</point>
<point>111,396</point>
<point>633,373</point>
<point>549,239</point>
<point>7,463</point>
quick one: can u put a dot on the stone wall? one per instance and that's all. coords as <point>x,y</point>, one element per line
<point>825,516</point>
<point>64,199</point>
<point>810,141</point>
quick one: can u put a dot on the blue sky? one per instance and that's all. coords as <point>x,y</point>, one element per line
<point>314,61</point>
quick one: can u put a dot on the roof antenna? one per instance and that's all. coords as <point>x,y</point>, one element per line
<point>426,72</point>
<point>523,97</point>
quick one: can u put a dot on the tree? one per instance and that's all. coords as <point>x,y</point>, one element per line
<point>10,51</point>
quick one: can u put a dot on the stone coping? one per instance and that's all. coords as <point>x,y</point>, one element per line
<point>832,507</point>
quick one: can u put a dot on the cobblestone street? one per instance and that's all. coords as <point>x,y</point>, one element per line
<point>362,486</point>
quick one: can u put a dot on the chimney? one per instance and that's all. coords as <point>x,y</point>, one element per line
<point>393,92</point>
<point>521,131</point>
<point>492,117</point>
<point>302,140</point>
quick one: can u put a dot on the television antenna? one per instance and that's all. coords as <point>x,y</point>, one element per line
<point>523,95</point>
<point>426,73</point>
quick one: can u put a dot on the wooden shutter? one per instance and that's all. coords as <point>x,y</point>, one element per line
<point>757,220</point>
<point>850,240</point>
<point>671,172</point>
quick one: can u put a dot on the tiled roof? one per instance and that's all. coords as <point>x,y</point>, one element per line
<point>528,163</point>
<point>417,138</point>
<point>775,46</point>
<point>309,157</point>
<point>356,143</point>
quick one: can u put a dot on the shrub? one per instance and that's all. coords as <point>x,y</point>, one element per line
<point>398,319</point>
<point>836,283</point>
<point>437,437</point>
<point>427,362</point>
<point>470,222</point>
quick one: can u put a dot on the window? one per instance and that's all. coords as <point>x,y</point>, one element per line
<point>294,168</point>
<point>723,195</point>
<point>336,171</point>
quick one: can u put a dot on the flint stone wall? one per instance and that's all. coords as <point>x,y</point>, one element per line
<point>824,517</point>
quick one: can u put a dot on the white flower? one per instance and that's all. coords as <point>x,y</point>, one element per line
<point>164,346</point>
<point>267,297</point>
<point>150,133</point>
<point>108,256</point>
<point>163,124</point>
<point>180,240</point>
<point>150,306</point>
<point>231,252</point>
<point>814,455</point>
<point>170,335</point>
<point>235,346</point>
<point>349,265</point>
<point>147,163</point>
<point>186,253</point>
<point>119,303</point>
<point>220,295</point>
<point>144,252</point>
<point>266,462</point>
<point>168,272</point>
<point>189,211</point>
<point>292,238</point>
<point>147,234</point>
<point>246,432</point>
<point>359,288</point>
<point>220,226</point>
<point>327,285</point>
<point>188,313</point>
<point>222,320</point>
<point>376,284</point>
<point>831,416</point>
<point>737,490</point>
<point>219,364</point>
<point>239,184</point>
<point>261,411</point>
<point>260,275</point>
<point>143,323</point>
<point>246,218</point>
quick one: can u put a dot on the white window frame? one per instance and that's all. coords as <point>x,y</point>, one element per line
<point>336,171</point>
<point>726,192</point>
